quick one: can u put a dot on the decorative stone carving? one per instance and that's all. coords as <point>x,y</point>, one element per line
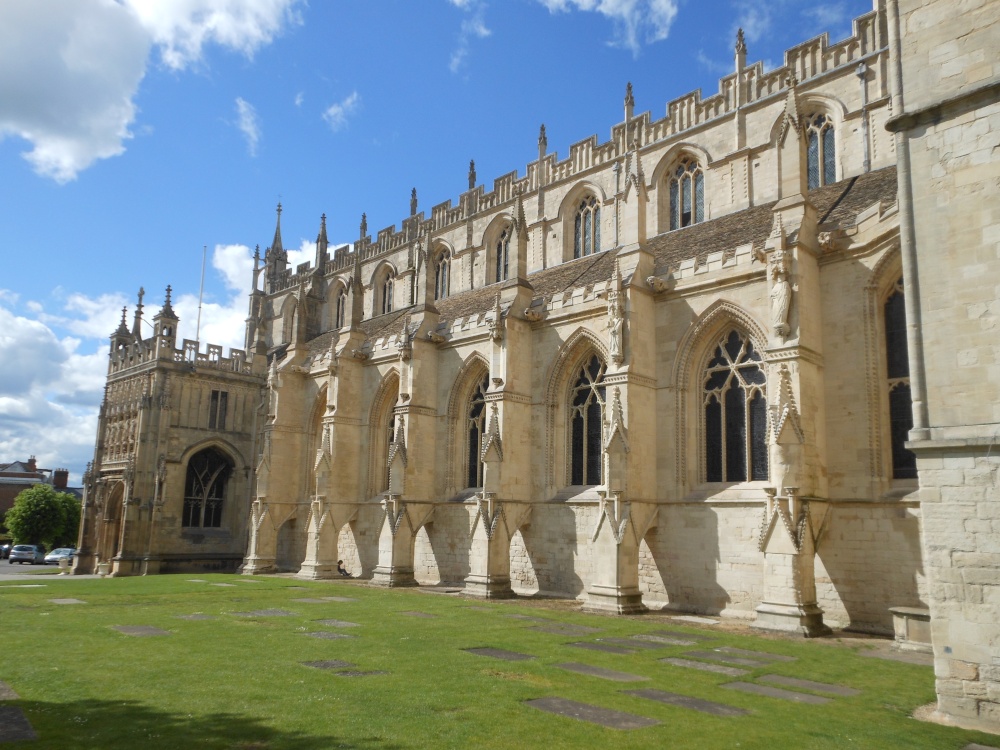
<point>781,292</point>
<point>496,323</point>
<point>616,319</point>
<point>656,284</point>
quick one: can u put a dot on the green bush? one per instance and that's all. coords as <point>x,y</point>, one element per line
<point>43,516</point>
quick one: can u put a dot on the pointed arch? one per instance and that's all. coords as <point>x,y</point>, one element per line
<point>381,422</point>
<point>580,209</point>
<point>470,377</point>
<point>288,308</point>
<point>496,242</point>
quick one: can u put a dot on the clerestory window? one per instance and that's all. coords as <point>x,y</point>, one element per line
<point>442,276</point>
<point>821,159</point>
<point>735,406</point>
<point>587,424</point>
<point>503,255</point>
<point>687,194</point>
<point>386,293</point>
<point>340,313</point>
<point>587,228</point>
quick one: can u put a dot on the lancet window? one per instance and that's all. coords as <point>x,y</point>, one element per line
<point>476,427</point>
<point>390,437</point>
<point>340,311</point>
<point>503,255</point>
<point>735,405</point>
<point>208,473</point>
<point>587,228</point>
<point>904,462</point>
<point>385,293</point>
<point>442,275</point>
<point>821,159</point>
<point>587,423</point>
<point>217,410</point>
<point>687,194</point>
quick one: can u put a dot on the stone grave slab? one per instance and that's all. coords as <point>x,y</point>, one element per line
<point>338,599</point>
<point>773,692</point>
<point>248,580</point>
<point>817,687</point>
<point>327,635</point>
<point>593,714</point>
<point>604,674</point>
<point>7,692</point>
<point>758,655</point>
<point>310,601</point>
<point>328,664</point>
<point>565,629</point>
<point>695,619</point>
<point>360,673</point>
<point>634,643</point>
<point>528,618</point>
<point>499,653</point>
<point>425,615</point>
<point>302,588</point>
<point>607,648</point>
<point>14,725</point>
<point>226,585</point>
<point>196,616</point>
<point>664,640</point>
<point>67,601</point>
<point>265,613</point>
<point>143,631</point>
<point>196,580</point>
<point>907,657</point>
<point>338,624</point>
<point>705,667</point>
<point>668,633</point>
<point>686,701</point>
<point>716,656</point>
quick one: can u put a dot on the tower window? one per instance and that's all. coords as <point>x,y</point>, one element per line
<point>205,489</point>
<point>217,410</point>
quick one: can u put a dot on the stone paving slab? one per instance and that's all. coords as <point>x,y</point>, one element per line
<point>338,598</point>
<point>248,580</point>
<point>664,640</point>
<point>758,655</point>
<point>143,631</point>
<point>301,588</point>
<point>196,616</point>
<point>716,656</point>
<point>265,613</point>
<point>67,601</point>
<point>327,635</point>
<point>499,653</point>
<point>668,633</point>
<point>607,648</point>
<point>196,580</point>
<point>360,673</point>
<point>695,619</point>
<point>705,667</point>
<point>338,624</point>
<point>593,714</point>
<point>818,687</point>
<point>14,725</point>
<point>26,586</point>
<point>565,629</point>
<point>634,643</point>
<point>310,601</point>
<point>604,674</point>
<point>686,701</point>
<point>773,692</point>
<point>7,692</point>
<point>328,664</point>
<point>426,615</point>
<point>907,657</point>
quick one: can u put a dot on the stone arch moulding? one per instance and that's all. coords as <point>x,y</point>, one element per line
<point>670,157</point>
<point>380,272</point>
<point>567,216</point>
<point>573,351</point>
<point>694,349</point>
<point>489,239</point>
<point>231,451</point>
<point>472,369</point>
<point>383,402</point>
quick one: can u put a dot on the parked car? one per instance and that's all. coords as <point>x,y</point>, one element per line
<point>4,551</point>
<point>58,554</point>
<point>26,553</point>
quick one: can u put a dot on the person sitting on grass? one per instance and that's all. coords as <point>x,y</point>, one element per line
<point>342,570</point>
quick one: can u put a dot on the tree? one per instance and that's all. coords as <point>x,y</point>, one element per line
<point>43,516</point>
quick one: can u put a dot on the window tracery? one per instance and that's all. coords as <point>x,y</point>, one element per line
<point>204,489</point>
<point>735,407</point>
<point>476,428</point>
<point>502,252</point>
<point>587,228</point>
<point>442,275</point>
<point>904,462</point>
<point>587,399</point>
<point>821,159</point>
<point>687,194</point>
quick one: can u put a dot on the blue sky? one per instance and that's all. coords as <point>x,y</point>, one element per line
<point>133,133</point>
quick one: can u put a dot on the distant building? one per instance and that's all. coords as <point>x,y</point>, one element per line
<point>676,369</point>
<point>20,475</point>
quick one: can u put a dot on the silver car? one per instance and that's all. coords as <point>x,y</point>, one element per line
<point>60,553</point>
<point>26,553</point>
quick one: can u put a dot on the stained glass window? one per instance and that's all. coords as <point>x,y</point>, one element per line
<point>442,279</point>
<point>735,412</point>
<point>476,425</point>
<point>587,235</point>
<point>205,488</point>
<point>821,154</point>
<point>341,312</point>
<point>503,255</point>
<point>587,424</point>
<point>904,462</point>
<point>687,194</point>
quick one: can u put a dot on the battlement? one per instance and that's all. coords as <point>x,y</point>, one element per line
<point>126,357</point>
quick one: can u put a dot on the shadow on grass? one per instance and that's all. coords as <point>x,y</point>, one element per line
<point>108,725</point>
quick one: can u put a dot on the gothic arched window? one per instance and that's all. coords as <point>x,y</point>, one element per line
<point>503,255</point>
<point>340,312</point>
<point>904,462</point>
<point>205,489</point>
<point>442,280</point>
<point>587,228</point>
<point>687,194</point>
<point>390,437</point>
<point>587,424</point>
<point>735,413</point>
<point>385,293</point>
<point>821,160</point>
<point>476,428</point>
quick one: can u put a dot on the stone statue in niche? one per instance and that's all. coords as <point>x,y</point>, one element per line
<point>616,321</point>
<point>781,293</point>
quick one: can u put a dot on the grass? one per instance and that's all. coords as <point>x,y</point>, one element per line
<point>238,682</point>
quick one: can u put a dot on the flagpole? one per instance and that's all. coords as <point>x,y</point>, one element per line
<point>201,291</point>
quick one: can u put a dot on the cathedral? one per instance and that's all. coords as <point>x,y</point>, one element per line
<point>686,368</point>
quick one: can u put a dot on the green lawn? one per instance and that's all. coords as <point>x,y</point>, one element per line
<point>238,682</point>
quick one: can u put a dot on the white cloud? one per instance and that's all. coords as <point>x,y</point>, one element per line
<point>235,263</point>
<point>248,123</point>
<point>336,115</point>
<point>299,98</point>
<point>69,75</point>
<point>636,21</point>
<point>473,27</point>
